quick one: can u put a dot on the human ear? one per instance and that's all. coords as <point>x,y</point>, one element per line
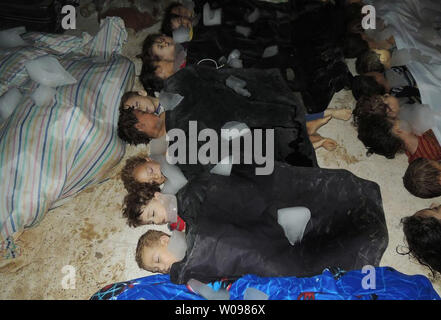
<point>139,126</point>
<point>164,240</point>
<point>142,93</point>
<point>157,195</point>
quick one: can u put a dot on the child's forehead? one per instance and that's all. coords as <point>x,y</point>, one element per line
<point>150,251</point>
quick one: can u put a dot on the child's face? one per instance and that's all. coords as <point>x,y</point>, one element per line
<point>149,172</point>
<point>154,213</point>
<point>159,258</point>
<point>141,102</point>
<point>184,18</point>
<point>164,48</point>
<point>164,69</point>
<point>393,105</point>
<point>150,124</point>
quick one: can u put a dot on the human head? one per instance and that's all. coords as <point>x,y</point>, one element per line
<point>152,253</point>
<point>138,100</point>
<point>366,86</point>
<point>127,120</point>
<point>175,16</point>
<point>423,237</point>
<point>142,208</point>
<point>381,79</point>
<point>139,171</point>
<point>374,60</point>
<point>423,178</point>
<point>158,47</point>
<point>376,133</point>
<point>385,106</point>
<point>354,46</point>
<point>148,78</point>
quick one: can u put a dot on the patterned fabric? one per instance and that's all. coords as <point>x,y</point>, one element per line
<point>336,285</point>
<point>428,148</point>
<point>48,154</point>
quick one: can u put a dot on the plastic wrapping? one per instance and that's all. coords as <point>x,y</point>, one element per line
<point>207,292</point>
<point>245,31</point>
<point>235,63</point>
<point>49,72</point>
<point>169,100</point>
<point>177,244</point>
<point>212,17</point>
<point>253,16</point>
<point>158,146</point>
<point>270,52</point>
<point>224,167</point>
<point>294,221</point>
<point>403,57</point>
<point>234,60</point>
<point>8,102</point>
<point>379,34</point>
<point>237,85</point>
<point>175,179</point>
<point>180,57</point>
<point>11,38</point>
<point>254,294</point>
<point>43,95</point>
<point>182,34</point>
<point>418,118</point>
<point>235,129</point>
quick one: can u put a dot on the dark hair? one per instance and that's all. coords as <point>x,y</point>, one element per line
<point>126,127</point>
<point>166,27</point>
<point>423,236</point>
<point>369,61</point>
<point>422,179</point>
<point>354,46</point>
<point>133,203</point>
<point>149,80</point>
<point>131,185</point>
<point>366,86</point>
<point>149,239</point>
<point>375,131</point>
<point>369,105</point>
<point>147,45</point>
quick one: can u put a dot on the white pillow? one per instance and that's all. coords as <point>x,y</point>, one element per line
<point>11,38</point>
<point>8,102</point>
<point>43,96</point>
<point>49,72</point>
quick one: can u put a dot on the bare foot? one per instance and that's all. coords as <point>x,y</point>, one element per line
<point>329,144</point>
<point>314,125</point>
<point>341,114</point>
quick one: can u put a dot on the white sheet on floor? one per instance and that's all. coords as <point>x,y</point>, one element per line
<point>411,22</point>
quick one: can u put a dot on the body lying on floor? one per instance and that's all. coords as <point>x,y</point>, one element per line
<point>239,216</point>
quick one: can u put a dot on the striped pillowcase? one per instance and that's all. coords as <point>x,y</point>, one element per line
<point>48,154</point>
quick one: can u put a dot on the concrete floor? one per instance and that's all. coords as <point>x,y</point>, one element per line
<point>89,234</point>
